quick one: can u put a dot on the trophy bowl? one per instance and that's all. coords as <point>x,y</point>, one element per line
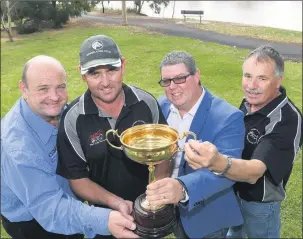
<point>150,144</point>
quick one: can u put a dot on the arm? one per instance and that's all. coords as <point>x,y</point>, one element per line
<point>92,192</point>
<point>202,184</point>
<point>275,152</point>
<point>241,170</point>
<point>32,181</point>
<point>73,166</point>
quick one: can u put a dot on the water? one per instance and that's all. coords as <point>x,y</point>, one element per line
<point>277,14</point>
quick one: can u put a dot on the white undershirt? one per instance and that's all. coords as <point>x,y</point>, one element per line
<point>181,125</point>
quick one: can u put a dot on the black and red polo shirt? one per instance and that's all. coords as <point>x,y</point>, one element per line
<point>84,152</point>
<point>274,136</point>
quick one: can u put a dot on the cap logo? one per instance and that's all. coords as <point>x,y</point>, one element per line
<point>97,45</point>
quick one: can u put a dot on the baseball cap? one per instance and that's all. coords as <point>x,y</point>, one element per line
<point>99,50</point>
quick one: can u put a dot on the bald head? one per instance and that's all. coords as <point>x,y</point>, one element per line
<point>43,87</point>
<point>40,63</point>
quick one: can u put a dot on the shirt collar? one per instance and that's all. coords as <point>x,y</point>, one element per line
<point>267,109</point>
<point>42,128</point>
<point>194,109</point>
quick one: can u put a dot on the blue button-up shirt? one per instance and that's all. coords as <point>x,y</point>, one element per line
<point>30,187</point>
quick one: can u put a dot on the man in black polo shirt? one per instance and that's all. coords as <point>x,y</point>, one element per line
<point>97,172</point>
<point>273,138</point>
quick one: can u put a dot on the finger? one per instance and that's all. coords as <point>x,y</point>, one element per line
<point>159,191</point>
<point>159,200</point>
<point>158,184</point>
<point>196,145</point>
<point>190,155</point>
<point>194,166</point>
<point>130,206</point>
<point>126,213</point>
<point>129,224</point>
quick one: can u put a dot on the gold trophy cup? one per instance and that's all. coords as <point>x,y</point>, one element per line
<point>150,144</point>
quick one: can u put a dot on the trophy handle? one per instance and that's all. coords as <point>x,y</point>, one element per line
<point>185,135</point>
<point>115,132</point>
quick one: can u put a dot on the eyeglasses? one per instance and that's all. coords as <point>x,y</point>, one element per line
<point>176,80</point>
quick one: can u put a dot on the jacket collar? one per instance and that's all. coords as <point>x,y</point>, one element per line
<point>201,114</point>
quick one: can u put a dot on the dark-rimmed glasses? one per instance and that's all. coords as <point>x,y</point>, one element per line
<point>176,80</point>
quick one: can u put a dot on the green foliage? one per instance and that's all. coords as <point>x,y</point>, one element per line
<point>154,5</point>
<point>220,68</point>
<point>32,16</point>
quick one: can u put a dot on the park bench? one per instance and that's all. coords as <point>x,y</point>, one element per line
<point>192,12</point>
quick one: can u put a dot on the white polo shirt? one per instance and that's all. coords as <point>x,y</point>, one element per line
<point>181,125</point>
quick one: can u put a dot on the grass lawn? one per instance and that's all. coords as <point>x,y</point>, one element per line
<point>220,72</point>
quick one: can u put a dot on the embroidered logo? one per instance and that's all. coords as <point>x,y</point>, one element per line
<point>96,138</point>
<point>253,136</point>
<point>97,45</point>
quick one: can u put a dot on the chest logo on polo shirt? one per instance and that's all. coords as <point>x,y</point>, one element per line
<point>253,136</point>
<point>96,138</point>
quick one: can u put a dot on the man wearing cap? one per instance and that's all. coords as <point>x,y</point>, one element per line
<point>35,202</point>
<point>97,172</point>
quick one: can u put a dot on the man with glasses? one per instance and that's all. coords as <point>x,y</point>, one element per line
<point>207,203</point>
<point>97,172</point>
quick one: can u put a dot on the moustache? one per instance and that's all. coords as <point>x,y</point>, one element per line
<point>255,92</point>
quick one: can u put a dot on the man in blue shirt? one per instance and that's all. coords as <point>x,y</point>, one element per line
<point>35,202</point>
<point>207,203</point>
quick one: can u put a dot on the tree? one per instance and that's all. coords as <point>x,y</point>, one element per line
<point>172,16</point>
<point>154,5</point>
<point>6,18</point>
<point>124,16</point>
<point>138,6</point>
<point>32,16</point>
<point>102,3</point>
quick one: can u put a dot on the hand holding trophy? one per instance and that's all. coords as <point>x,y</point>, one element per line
<point>150,144</point>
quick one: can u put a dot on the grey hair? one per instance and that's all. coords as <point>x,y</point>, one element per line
<point>177,57</point>
<point>268,53</point>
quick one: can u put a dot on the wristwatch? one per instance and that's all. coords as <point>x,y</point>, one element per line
<point>229,162</point>
<point>185,196</point>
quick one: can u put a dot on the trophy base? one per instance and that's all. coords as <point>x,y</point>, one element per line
<point>153,224</point>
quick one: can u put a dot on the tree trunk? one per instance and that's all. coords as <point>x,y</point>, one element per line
<point>102,6</point>
<point>173,10</point>
<point>9,22</point>
<point>140,7</point>
<point>124,17</point>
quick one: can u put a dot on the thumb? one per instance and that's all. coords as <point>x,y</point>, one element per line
<point>125,222</point>
<point>127,216</point>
